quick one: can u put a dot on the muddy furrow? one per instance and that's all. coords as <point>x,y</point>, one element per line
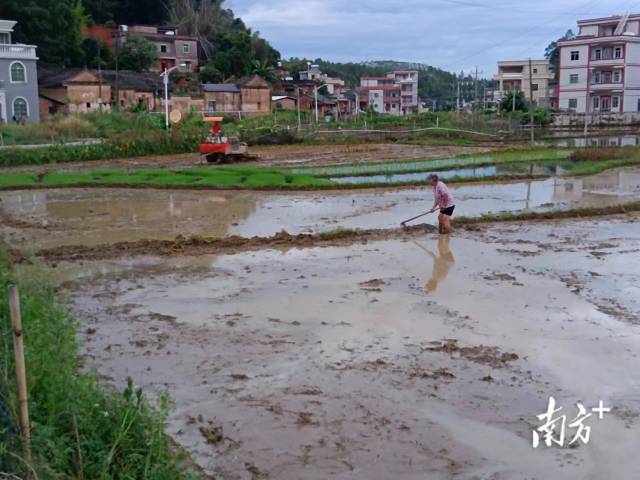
<point>200,245</point>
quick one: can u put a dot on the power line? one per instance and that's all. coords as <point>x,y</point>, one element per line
<point>520,34</point>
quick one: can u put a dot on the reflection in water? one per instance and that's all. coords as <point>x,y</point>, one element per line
<point>604,141</point>
<point>442,262</point>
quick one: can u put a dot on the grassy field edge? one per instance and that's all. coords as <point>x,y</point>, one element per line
<point>79,429</point>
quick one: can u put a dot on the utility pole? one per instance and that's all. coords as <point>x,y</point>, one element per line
<point>298,105</point>
<point>458,99</point>
<point>531,103</point>
<point>513,99</point>
<point>475,98</point>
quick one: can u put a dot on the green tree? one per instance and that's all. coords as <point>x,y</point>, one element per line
<point>101,11</point>
<point>210,74</point>
<point>264,69</point>
<point>136,54</point>
<point>552,52</point>
<point>506,104</point>
<point>264,52</point>
<point>96,54</point>
<point>235,55</point>
<point>53,25</point>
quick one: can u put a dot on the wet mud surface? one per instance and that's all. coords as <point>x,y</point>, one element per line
<point>277,155</point>
<point>410,358</point>
<point>51,218</point>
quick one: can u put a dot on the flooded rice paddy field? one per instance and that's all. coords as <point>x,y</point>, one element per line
<point>408,358</point>
<point>50,218</point>
<point>412,356</point>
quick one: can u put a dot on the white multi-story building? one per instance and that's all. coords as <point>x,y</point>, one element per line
<point>396,93</point>
<point>600,68</point>
<point>514,75</point>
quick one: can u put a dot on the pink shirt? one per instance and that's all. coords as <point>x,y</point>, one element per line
<point>442,196</point>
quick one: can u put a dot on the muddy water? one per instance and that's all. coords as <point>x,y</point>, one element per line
<point>95,216</point>
<point>477,172</point>
<point>317,363</point>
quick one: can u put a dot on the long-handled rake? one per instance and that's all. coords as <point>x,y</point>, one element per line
<point>414,218</point>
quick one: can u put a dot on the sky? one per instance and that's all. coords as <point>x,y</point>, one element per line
<point>456,35</point>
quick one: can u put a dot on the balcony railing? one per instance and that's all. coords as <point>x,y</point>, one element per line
<point>18,51</point>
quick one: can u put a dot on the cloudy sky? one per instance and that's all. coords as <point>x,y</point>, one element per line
<point>451,34</point>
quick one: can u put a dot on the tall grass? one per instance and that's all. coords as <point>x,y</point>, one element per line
<point>606,153</point>
<point>80,430</point>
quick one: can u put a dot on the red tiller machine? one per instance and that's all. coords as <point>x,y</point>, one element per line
<point>220,148</point>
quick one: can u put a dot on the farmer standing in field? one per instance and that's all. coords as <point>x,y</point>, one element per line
<point>443,200</point>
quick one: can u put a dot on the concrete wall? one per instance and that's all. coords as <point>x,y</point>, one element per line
<point>27,90</point>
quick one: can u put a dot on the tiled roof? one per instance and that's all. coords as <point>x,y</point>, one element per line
<point>220,87</point>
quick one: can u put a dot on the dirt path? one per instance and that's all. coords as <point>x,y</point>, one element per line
<point>278,155</point>
<point>410,358</point>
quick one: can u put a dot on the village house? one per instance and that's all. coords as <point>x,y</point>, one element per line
<point>249,95</point>
<point>335,86</point>
<point>18,78</point>
<point>513,75</point>
<point>72,90</point>
<point>76,90</point>
<point>134,89</point>
<point>600,68</point>
<point>284,102</point>
<point>174,49</point>
<point>394,94</point>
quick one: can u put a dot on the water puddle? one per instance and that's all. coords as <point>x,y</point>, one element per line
<point>626,140</point>
<point>505,170</point>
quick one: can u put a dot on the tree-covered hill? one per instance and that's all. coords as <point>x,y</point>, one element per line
<point>229,47</point>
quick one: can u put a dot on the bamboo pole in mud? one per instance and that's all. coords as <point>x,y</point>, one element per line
<point>21,371</point>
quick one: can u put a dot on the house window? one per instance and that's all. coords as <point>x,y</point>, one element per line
<point>534,87</point>
<point>187,66</point>
<point>596,103</point>
<point>211,106</point>
<point>573,103</point>
<point>615,102</point>
<point>163,48</point>
<point>597,55</point>
<point>186,48</point>
<point>573,78</point>
<point>575,55</point>
<point>638,105</point>
<point>18,73</point>
<point>20,108</point>
<point>617,76</point>
<point>606,77</point>
<point>5,38</point>
<point>88,105</point>
<point>617,53</point>
<point>259,106</point>
<point>596,77</point>
<point>535,70</point>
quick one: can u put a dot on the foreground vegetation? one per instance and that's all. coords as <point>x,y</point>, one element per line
<point>79,429</point>
<point>131,134</point>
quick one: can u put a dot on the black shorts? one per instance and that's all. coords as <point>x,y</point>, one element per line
<point>448,211</point>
